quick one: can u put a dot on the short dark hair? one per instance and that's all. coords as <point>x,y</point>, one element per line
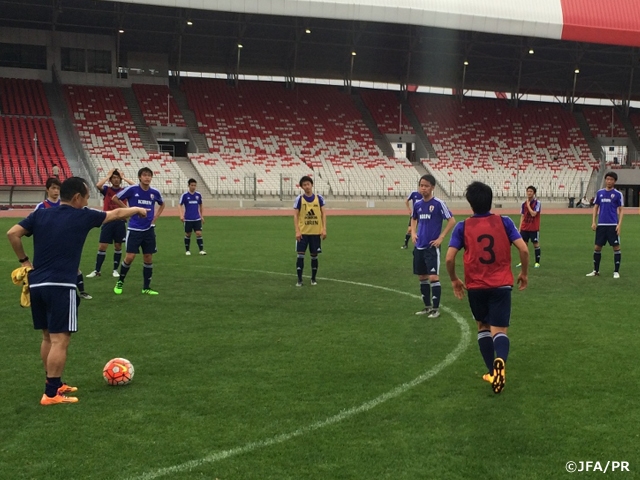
<point>306,178</point>
<point>479,195</point>
<point>429,178</point>
<point>116,173</point>
<point>52,181</point>
<point>145,170</point>
<point>531,187</point>
<point>613,175</point>
<point>71,186</point>
<point>192,180</point>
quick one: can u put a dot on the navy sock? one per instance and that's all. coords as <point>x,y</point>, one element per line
<point>100,260</point>
<point>436,291</point>
<point>596,261</point>
<point>52,385</point>
<point>200,243</point>
<point>80,282</point>
<point>406,239</point>
<point>485,342</point>
<point>425,290</point>
<point>124,269</point>
<point>117,256</point>
<point>314,267</point>
<point>147,272</point>
<point>501,346</point>
<point>617,256</point>
<point>187,243</point>
<point>300,266</point>
<point>537,252</point>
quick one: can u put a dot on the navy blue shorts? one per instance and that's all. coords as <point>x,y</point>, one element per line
<point>427,261</point>
<point>526,236</point>
<point>55,308</point>
<point>192,226</point>
<point>113,232</point>
<point>312,241</point>
<point>607,233</point>
<point>145,240</point>
<point>491,306</point>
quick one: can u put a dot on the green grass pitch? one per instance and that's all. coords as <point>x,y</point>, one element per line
<point>241,375</point>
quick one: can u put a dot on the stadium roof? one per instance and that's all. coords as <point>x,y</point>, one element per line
<point>412,42</point>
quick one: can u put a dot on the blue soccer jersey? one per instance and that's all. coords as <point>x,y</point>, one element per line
<point>139,197</point>
<point>47,204</point>
<point>430,214</point>
<point>414,197</point>
<point>191,202</point>
<point>608,201</point>
<point>58,238</point>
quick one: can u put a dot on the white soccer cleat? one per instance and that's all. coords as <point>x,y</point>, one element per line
<point>593,274</point>
<point>616,275</point>
<point>518,265</point>
<point>116,274</point>
<point>187,253</point>
<point>202,252</point>
<point>435,313</point>
<point>93,274</point>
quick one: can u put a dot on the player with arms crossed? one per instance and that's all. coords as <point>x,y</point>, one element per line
<point>192,217</point>
<point>426,227</point>
<point>409,203</point>
<point>310,222</point>
<point>58,237</point>
<point>141,232</point>
<point>530,222</point>
<point>608,208</point>
<point>486,239</point>
<point>112,232</point>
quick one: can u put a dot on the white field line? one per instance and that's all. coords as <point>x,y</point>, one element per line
<point>465,338</point>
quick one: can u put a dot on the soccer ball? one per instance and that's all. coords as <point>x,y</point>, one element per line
<point>118,371</point>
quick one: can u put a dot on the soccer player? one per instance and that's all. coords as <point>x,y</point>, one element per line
<point>427,235</point>
<point>192,217</point>
<point>608,208</point>
<point>58,237</point>
<point>113,232</point>
<point>310,222</point>
<point>409,203</point>
<point>486,239</point>
<point>52,188</point>
<point>141,232</point>
<point>530,222</point>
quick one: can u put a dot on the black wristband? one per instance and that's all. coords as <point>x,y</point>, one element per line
<point>22,260</point>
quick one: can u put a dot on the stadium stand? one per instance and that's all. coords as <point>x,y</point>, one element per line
<point>385,109</point>
<point>25,122</point>
<point>603,122</point>
<point>153,104</point>
<point>508,148</point>
<point>289,133</point>
<point>109,136</point>
<point>23,97</point>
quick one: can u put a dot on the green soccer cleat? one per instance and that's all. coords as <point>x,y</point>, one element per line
<point>118,288</point>
<point>537,265</point>
<point>148,291</point>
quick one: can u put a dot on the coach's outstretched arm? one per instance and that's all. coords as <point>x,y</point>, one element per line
<point>124,213</point>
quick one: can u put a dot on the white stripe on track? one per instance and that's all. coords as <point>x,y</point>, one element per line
<point>465,340</point>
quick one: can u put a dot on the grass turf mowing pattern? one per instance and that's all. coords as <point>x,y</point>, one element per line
<point>227,355</point>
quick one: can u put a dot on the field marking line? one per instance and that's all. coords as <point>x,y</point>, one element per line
<point>465,340</point>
